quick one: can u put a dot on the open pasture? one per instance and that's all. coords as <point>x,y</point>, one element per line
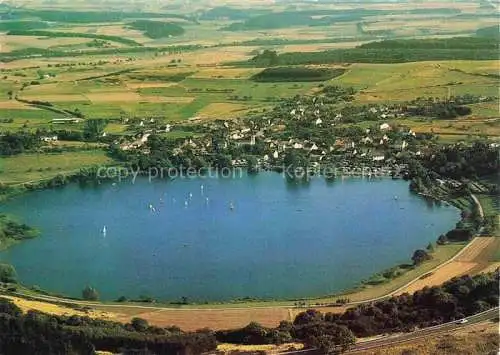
<point>33,167</point>
<point>402,82</point>
<point>10,43</point>
<point>412,26</point>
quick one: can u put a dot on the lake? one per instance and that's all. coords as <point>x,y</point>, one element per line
<point>214,239</point>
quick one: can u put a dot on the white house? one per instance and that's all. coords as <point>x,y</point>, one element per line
<point>384,126</point>
<point>378,158</point>
<point>49,139</point>
<point>318,121</point>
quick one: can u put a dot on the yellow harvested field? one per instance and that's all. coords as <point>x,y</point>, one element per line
<point>228,318</point>
<point>193,319</point>
<point>318,46</point>
<point>475,259</point>
<point>111,30</point>
<point>168,99</point>
<point>9,43</point>
<point>56,97</point>
<point>110,96</point>
<point>476,252</point>
<point>436,24</point>
<point>205,57</point>
<point>221,110</point>
<point>16,105</point>
<point>448,271</point>
<point>225,73</point>
<point>27,305</point>
<point>231,348</point>
<point>144,85</point>
<point>419,5</point>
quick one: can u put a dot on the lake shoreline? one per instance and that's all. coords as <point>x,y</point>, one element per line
<point>259,300</point>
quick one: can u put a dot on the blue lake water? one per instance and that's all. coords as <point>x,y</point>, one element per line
<point>280,240</point>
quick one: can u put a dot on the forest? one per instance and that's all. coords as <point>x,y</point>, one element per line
<point>390,51</point>
<point>157,29</point>
<point>38,333</point>
<point>455,299</point>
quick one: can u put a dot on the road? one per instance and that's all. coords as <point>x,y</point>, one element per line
<point>426,332</point>
<point>406,337</point>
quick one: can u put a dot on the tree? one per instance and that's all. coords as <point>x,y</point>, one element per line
<point>93,129</point>
<point>8,273</point>
<point>252,164</point>
<point>442,239</point>
<point>309,316</point>
<point>90,294</point>
<point>139,324</point>
<point>419,256</point>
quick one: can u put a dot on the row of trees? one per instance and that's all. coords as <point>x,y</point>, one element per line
<point>463,161</point>
<point>18,142</point>
<point>39,333</point>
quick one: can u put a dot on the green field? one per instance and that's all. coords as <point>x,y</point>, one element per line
<point>34,167</point>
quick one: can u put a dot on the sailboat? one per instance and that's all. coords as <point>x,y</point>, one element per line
<point>104,230</point>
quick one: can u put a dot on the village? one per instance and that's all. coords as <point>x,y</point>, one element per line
<point>323,130</point>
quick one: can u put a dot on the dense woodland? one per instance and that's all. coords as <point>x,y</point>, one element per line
<point>455,299</point>
<point>18,142</point>
<point>388,51</point>
<point>38,333</point>
<point>157,29</point>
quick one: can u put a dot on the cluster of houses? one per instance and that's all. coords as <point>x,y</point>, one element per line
<point>267,134</point>
<point>276,132</point>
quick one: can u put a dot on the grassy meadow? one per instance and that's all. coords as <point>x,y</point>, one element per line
<point>34,167</point>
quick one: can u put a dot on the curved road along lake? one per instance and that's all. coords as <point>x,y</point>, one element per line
<point>255,236</point>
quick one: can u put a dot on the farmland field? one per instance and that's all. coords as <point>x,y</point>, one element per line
<point>33,167</point>
<point>166,68</point>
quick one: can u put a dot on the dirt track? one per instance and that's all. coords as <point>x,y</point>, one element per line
<point>472,261</point>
